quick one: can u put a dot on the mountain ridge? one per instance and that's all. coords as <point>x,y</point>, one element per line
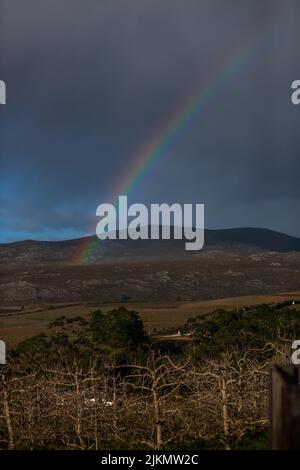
<point>234,262</point>
<point>109,251</point>
<point>261,237</point>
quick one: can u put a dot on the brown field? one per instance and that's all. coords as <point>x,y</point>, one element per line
<point>17,325</point>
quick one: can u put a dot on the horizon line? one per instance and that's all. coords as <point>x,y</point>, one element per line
<point>81,237</point>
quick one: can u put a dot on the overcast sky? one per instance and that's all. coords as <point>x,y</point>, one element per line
<point>90,82</point>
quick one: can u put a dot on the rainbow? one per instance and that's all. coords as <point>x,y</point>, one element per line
<point>84,251</point>
<point>167,135</point>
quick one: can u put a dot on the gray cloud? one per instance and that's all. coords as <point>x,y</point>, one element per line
<point>90,81</point>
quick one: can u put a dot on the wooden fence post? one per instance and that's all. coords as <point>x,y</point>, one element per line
<point>285,408</point>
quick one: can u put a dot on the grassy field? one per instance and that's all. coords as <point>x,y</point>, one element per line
<point>17,325</point>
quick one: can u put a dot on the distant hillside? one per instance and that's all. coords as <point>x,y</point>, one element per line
<point>233,263</point>
<point>259,237</point>
<point>110,251</point>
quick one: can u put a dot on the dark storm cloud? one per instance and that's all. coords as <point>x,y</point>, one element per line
<point>90,81</point>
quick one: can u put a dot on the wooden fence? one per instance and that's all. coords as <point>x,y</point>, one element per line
<point>285,408</point>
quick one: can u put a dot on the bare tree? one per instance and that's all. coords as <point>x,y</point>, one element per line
<point>157,382</point>
<point>6,412</point>
<point>153,400</point>
<point>231,394</point>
